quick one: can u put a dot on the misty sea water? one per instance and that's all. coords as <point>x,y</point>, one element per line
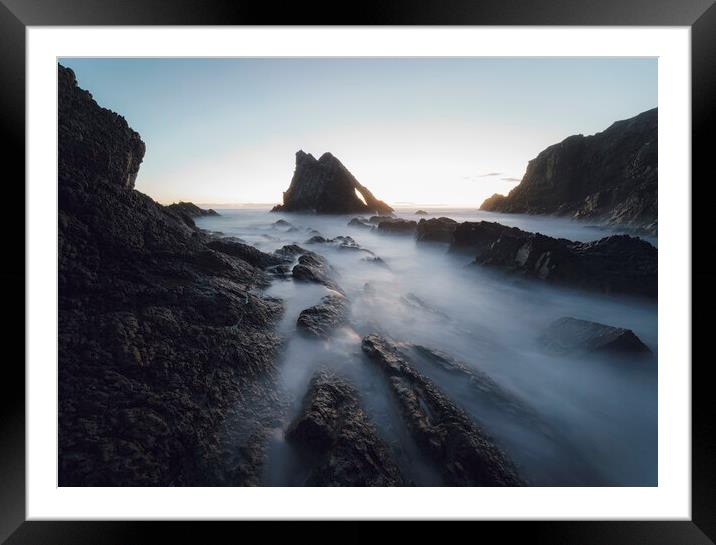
<point>598,415</point>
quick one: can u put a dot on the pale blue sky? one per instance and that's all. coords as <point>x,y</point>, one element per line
<point>425,131</point>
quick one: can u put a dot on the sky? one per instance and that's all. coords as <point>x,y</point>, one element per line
<point>429,131</point>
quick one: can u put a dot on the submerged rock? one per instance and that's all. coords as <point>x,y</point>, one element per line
<point>568,336</point>
<point>481,383</point>
<point>465,455</point>
<point>320,320</point>
<point>611,177</point>
<point>435,230</point>
<point>376,261</point>
<point>360,222</point>
<point>333,433</point>
<point>325,186</point>
<point>160,336</point>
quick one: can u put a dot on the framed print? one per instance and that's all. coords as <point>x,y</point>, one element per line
<point>426,263</point>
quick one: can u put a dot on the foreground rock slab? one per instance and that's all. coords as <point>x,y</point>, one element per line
<point>325,186</point>
<point>333,432</point>
<point>568,336</point>
<point>320,320</point>
<point>465,455</point>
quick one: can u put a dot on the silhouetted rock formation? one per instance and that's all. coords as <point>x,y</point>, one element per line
<point>190,209</point>
<point>568,336</point>
<point>610,176</point>
<point>161,337</point>
<point>325,186</point>
<point>465,455</point>
<point>320,320</point>
<point>334,435</point>
<point>421,213</point>
<point>435,230</point>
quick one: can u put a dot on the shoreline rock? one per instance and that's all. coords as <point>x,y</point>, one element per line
<point>609,177</point>
<point>160,336</point>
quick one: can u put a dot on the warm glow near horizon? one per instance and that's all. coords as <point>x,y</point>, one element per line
<point>414,131</point>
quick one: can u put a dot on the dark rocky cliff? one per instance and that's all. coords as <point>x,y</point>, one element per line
<point>162,339</point>
<point>609,177</point>
<point>325,186</point>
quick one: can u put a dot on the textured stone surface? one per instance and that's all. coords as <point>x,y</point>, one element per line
<point>161,338</point>
<point>608,177</point>
<point>618,264</point>
<point>334,434</point>
<point>475,237</point>
<point>188,210</point>
<point>397,226</point>
<point>325,186</point>
<point>321,319</point>
<point>465,454</point>
<point>435,230</point>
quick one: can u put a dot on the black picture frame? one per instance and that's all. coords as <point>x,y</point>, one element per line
<point>16,15</point>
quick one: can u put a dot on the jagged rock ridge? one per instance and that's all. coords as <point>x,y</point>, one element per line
<point>325,186</point>
<point>161,337</point>
<point>609,177</point>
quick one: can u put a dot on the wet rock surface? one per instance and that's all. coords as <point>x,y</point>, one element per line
<point>465,454</point>
<point>160,336</point>
<point>397,226</point>
<point>570,336</point>
<point>334,434</point>
<point>314,268</point>
<point>243,251</point>
<point>610,177</point>
<point>619,264</point>
<point>435,230</point>
<point>320,320</point>
<point>476,237</point>
<point>325,186</point>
